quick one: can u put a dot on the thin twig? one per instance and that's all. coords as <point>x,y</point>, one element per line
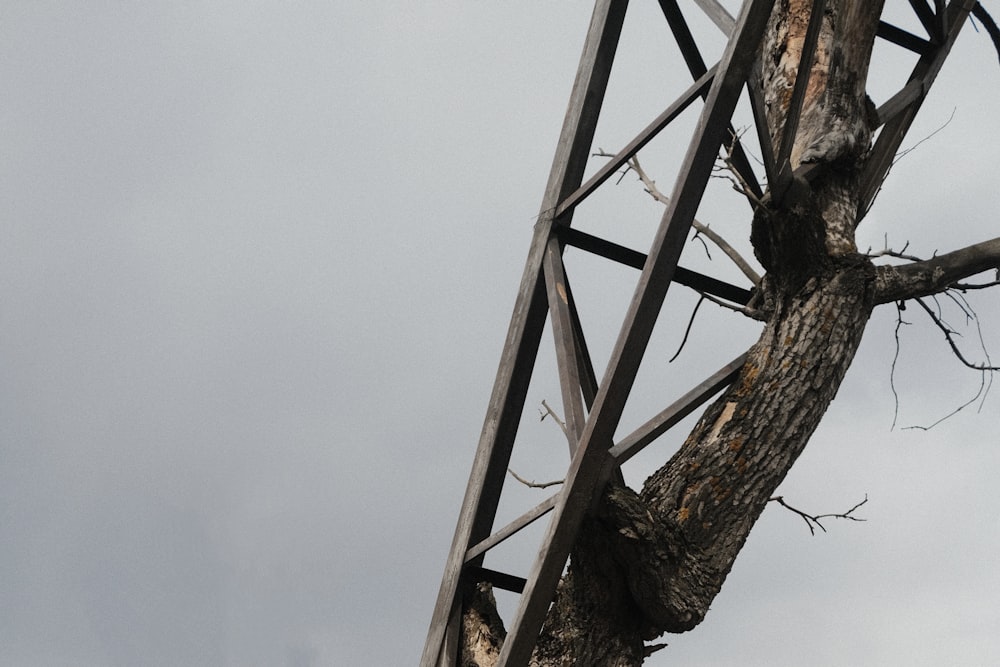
<point>948,333</point>
<point>687,330</point>
<point>897,157</point>
<point>900,307</point>
<point>735,176</point>
<point>813,521</point>
<point>964,287</point>
<point>980,392</point>
<point>549,412</point>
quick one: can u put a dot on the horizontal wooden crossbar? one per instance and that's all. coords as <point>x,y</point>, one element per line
<point>636,259</point>
<point>696,90</point>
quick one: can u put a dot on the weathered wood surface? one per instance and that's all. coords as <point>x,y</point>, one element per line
<point>644,563</point>
<point>503,415</point>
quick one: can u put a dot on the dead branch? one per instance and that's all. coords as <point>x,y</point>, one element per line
<point>937,274</point>
<point>734,175</point>
<point>949,335</point>
<point>965,287</point>
<point>886,251</point>
<point>752,313</point>
<point>534,485</point>
<point>650,187</point>
<point>549,412</point>
<point>814,521</point>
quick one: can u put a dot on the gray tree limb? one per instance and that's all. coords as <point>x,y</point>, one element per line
<point>930,276</point>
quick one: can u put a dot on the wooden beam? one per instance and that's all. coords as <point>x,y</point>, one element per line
<point>574,413</point>
<point>503,415</point>
<point>526,519</point>
<point>502,580</point>
<point>588,378</point>
<point>894,131</point>
<point>636,441</point>
<point>637,260</point>
<point>696,66</point>
<point>696,90</point>
<point>593,463</point>
<point>926,17</point>
<point>901,37</point>
<point>910,93</point>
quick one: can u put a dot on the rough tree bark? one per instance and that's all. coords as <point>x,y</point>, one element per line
<point>652,562</point>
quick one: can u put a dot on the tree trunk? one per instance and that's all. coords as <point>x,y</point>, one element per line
<point>652,562</point>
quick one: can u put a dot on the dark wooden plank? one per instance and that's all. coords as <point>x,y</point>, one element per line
<point>574,414</point>
<point>593,463</point>
<point>696,66</point>
<point>683,36</point>
<point>588,378</point>
<point>696,90</point>
<point>942,19</point>
<point>891,137</point>
<point>901,37</point>
<point>502,580</point>
<point>926,16</point>
<point>637,260</point>
<point>636,441</point>
<point>526,519</point>
<point>503,415</point>
<point>759,110</point>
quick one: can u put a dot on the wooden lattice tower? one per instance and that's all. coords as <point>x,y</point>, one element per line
<point>593,406</point>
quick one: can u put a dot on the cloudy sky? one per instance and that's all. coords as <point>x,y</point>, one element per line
<point>257,261</point>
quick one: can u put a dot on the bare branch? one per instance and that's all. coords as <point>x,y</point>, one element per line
<point>986,369</point>
<point>549,412</point>
<point>886,251</point>
<point>965,287</point>
<point>534,485</point>
<point>735,176</point>
<point>650,186</point>
<point>949,334</point>
<point>930,276</point>
<point>752,313</point>
<point>814,521</point>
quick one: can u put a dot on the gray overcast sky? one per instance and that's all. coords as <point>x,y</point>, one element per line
<point>257,261</point>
